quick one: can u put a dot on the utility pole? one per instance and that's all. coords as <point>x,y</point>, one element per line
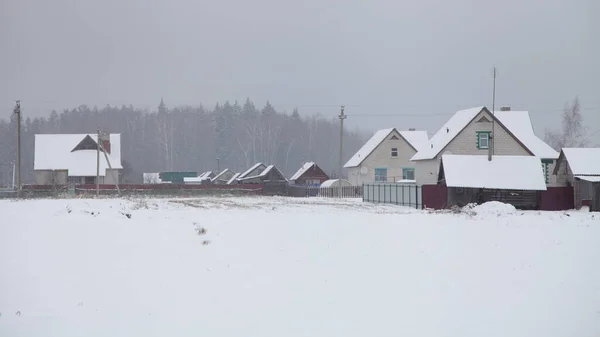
<point>98,163</point>
<point>17,112</point>
<point>341,117</point>
<point>493,135</point>
<point>218,166</point>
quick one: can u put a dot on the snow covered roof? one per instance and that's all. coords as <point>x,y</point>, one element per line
<point>234,178</point>
<point>416,139</point>
<point>206,175</point>
<point>519,124</point>
<point>502,172</point>
<point>302,170</point>
<point>55,152</point>
<point>248,171</point>
<point>516,122</point>
<point>195,179</point>
<point>334,182</point>
<point>264,172</point>
<point>592,179</point>
<point>583,161</point>
<point>221,173</point>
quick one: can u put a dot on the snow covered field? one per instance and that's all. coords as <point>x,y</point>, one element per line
<point>294,267</point>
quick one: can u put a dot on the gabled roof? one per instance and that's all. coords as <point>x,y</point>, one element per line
<point>416,139</point>
<point>302,170</point>
<point>205,175</point>
<point>264,173</point>
<point>234,178</point>
<point>58,152</point>
<point>582,161</point>
<point>476,171</point>
<point>221,174</point>
<point>248,171</point>
<point>517,123</point>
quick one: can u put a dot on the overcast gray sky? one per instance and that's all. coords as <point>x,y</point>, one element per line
<point>393,63</point>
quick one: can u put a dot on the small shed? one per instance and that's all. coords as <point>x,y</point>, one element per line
<point>223,177</point>
<point>204,178</point>
<point>233,179</point>
<point>516,180</point>
<point>310,174</point>
<point>255,170</point>
<point>580,169</point>
<point>270,174</point>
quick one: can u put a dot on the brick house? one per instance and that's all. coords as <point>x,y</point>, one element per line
<point>469,132</point>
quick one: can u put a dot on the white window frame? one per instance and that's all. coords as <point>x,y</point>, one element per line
<point>484,136</point>
<point>394,152</point>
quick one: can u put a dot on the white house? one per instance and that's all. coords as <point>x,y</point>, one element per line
<point>468,132</point>
<point>386,157</point>
<point>61,159</point>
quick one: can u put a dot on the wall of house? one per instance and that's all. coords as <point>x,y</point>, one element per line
<point>465,143</point>
<point>426,171</point>
<point>381,157</point>
<point>564,176</point>
<point>552,178</point>
<point>49,177</point>
<point>108,178</point>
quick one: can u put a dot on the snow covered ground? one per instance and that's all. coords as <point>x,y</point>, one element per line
<point>294,267</point>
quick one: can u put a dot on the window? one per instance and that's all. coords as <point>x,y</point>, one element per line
<point>394,152</point>
<point>483,139</point>
<point>380,174</point>
<point>408,173</point>
<point>545,166</point>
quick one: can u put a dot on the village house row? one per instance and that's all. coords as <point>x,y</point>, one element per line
<point>456,156</point>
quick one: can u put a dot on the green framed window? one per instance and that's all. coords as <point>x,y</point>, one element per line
<point>408,173</point>
<point>545,166</point>
<point>483,139</point>
<point>381,174</point>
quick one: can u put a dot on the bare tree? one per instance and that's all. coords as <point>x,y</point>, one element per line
<point>572,133</point>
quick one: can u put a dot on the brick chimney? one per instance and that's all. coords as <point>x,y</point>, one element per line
<point>505,108</point>
<point>105,139</point>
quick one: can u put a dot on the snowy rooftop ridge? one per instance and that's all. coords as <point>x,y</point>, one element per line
<point>476,171</point>
<point>516,122</point>
<point>583,161</point>
<point>220,174</point>
<point>416,139</point>
<point>55,152</point>
<point>248,171</point>
<point>302,170</point>
<point>234,178</point>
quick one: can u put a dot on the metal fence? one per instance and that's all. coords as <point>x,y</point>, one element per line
<point>324,192</point>
<point>393,193</point>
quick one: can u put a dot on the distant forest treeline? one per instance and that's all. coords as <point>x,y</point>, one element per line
<point>190,138</point>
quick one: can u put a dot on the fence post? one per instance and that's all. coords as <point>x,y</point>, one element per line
<point>416,197</point>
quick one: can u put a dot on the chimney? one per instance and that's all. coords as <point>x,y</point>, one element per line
<point>105,139</point>
<point>412,129</point>
<point>505,108</point>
